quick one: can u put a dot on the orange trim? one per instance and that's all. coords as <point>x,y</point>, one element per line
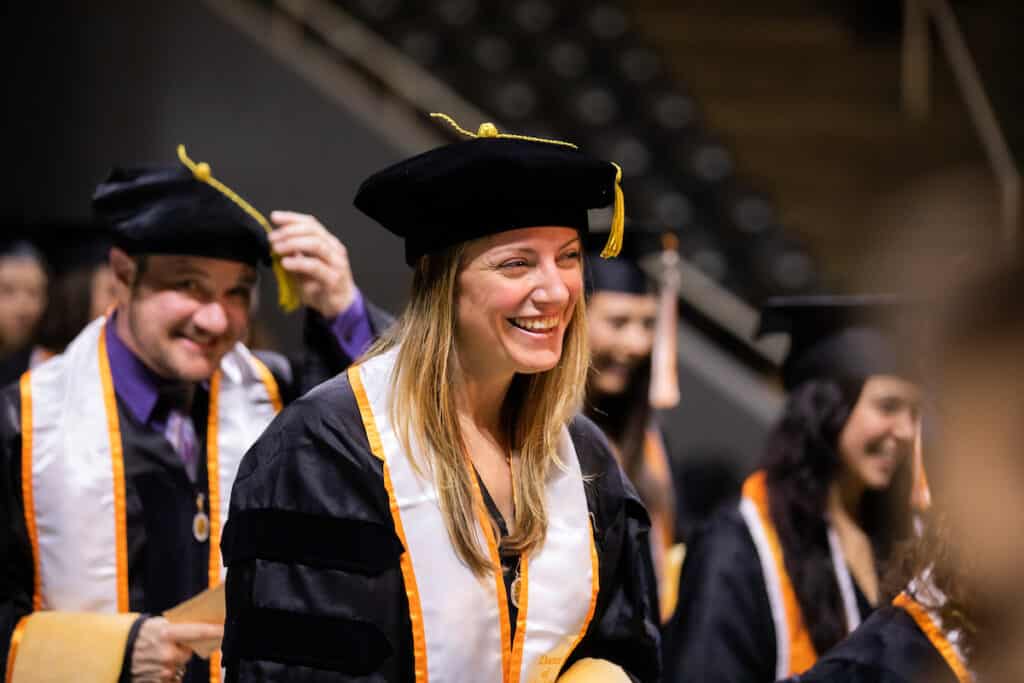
<point>801,650</point>
<point>656,460</point>
<point>12,652</point>
<point>935,635</point>
<point>117,464</point>
<point>504,620</point>
<point>215,667</point>
<point>267,377</point>
<point>595,588</point>
<point>412,593</point>
<point>27,495</point>
<point>516,666</point>
<point>213,478</point>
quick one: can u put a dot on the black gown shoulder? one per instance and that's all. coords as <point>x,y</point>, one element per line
<point>314,585</point>
<point>887,648</point>
<point>722,631</point>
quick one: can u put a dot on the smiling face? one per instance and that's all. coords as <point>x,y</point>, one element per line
<point>183,313</point>
<point>879,434</point>
<point>621,332</point>
<point>516,293</point>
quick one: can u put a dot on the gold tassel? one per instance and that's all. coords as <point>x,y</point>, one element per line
<point>287,295</point>
<point>614,244</point>
<point>489,130</point>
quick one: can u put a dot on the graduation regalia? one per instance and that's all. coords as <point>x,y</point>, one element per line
<point>730,616</point>
<point>317,584</point>
<point>901,643</point>
<point>739,618</point>
<point>100,518</point>
<point>340,563</point>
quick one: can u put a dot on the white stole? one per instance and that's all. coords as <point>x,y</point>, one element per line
<point>73,468</point>
<point>460,622</point>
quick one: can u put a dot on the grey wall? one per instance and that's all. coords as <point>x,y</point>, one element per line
<point>95,84</point>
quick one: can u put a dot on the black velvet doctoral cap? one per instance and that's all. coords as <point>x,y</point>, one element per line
<point>837,336</point>
<point>485,185</point>
<point>169,210</point>
<point>623,274</point>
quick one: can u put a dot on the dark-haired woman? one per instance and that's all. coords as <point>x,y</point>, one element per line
<point>783,576</point>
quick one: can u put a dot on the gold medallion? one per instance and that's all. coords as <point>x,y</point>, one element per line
<point>201,522</point>
<point>201,527</point>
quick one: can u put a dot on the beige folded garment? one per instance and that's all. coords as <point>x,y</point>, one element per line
<point>56,647</point>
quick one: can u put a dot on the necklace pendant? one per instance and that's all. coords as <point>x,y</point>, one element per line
<point>516,589</point>
<point>201,527</point>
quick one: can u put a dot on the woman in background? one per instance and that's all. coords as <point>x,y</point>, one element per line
<point>782,577</point>
<point>623,324</point>
<point>23,283</point>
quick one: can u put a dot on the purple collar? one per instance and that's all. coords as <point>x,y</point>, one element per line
<point>137,385</point>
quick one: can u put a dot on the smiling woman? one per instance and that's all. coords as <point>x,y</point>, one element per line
<point>776,581</point>
<point>475,527</point>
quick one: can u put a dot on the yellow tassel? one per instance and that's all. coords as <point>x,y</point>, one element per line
<point>614,244</point>
<point>287,295</point>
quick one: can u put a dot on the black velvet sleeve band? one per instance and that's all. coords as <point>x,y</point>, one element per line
<point>352,545</point>
<point>328,643</point>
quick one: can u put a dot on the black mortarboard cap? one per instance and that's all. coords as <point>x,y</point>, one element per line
<point>489,184</point>
<point>625,273</point>
<point>166,210</point>
<point>840,337</point>
<point>183,209</point>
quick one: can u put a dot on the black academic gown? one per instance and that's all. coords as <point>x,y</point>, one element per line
<point>166,564</point>
<point>314,587</point>
<point>723,631</point>
<point>887,648</point>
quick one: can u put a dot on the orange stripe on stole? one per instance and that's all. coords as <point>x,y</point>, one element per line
<point>12,652</point>
<point>213,486</point>
<point>27,495</point>
<point>419,642</point>
<point>117,465</point>
<point>801,650</point>
<point>935,636</point>
<point>505,622</point>
<point>267,377</point>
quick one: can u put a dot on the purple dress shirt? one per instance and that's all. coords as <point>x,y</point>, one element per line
<point>352,328</point>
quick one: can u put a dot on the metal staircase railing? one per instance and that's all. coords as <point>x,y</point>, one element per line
<point>916,77</point>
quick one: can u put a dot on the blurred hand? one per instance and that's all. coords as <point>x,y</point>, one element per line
<point>162,649</point>
<point>316,259</point>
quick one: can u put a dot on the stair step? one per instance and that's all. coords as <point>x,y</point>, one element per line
<point>812,114</point>
<point>670,27</point>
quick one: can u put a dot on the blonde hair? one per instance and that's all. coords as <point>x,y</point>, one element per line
<point>537,407</point>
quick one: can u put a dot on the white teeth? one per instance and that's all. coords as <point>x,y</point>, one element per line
<point>537,324</point>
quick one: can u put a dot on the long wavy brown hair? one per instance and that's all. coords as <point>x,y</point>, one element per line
<point>536,409</point>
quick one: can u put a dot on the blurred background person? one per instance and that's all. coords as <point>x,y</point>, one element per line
<point>980,474</point>
<point>82,284</point>
<point>23,284</point>
<point>782,577</point>
<point>928,634</point>
<point>623,314</point>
